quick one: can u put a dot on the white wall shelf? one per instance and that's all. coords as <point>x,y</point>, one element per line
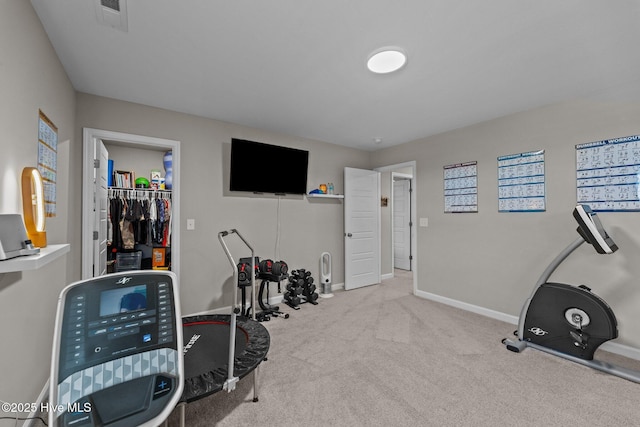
<point>33,262</point>
<point>325,196</point>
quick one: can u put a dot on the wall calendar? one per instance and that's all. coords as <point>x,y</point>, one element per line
<point>607,174</point>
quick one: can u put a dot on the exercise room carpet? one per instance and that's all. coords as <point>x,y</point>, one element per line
<point>379,356</point>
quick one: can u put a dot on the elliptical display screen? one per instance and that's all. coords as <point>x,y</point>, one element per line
<point>123,300</point>
<point>104,322</point>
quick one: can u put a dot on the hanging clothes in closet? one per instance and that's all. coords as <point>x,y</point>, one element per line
<point>138,216</point>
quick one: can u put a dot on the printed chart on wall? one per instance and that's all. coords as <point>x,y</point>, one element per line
<point>607,174</point>
<point>461,188</point>
<point>521,186</point>
<point>48,161</point>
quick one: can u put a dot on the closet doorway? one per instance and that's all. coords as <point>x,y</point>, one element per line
<point>94,194</point>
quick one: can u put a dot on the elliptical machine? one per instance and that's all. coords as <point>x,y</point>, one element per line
<point>570,321</point>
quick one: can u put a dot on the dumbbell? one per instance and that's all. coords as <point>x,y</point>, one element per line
<point>294,288</point>
<point>280,268</point>
<point>293,299</point>
<point>266,266</point>
<point>308,290</point>
<point>244,274</point>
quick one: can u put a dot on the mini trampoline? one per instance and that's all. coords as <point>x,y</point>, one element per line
<point>221,349</point>
<point>206,350</point>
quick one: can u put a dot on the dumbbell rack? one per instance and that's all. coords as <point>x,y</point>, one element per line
<point>300,289</point>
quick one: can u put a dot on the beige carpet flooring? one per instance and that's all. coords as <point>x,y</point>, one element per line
<point>379,356</point>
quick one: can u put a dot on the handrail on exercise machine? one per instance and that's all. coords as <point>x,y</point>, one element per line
<point>230,383</point>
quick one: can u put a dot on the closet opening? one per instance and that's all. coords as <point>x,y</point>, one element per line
<point>127,227</point>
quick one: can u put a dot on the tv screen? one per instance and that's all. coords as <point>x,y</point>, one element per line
<point>266,168</point>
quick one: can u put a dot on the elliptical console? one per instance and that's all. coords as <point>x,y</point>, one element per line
<point>117,351</point>
<point>570,321</point>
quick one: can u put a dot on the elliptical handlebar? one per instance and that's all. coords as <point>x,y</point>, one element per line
<point>231,380</point>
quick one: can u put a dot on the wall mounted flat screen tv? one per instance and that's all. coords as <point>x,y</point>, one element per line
<point>264,168</point>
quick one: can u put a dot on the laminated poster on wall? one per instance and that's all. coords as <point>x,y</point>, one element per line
<point>461,188</point>
<point>521,182</point>
<point>607,174</point>
<point>48,161</point>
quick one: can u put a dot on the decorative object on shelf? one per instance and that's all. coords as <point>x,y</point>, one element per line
<point>123,179</point>
<point>168,167</point>
<point>110,165</point>
<point>323,188</point>
<point>142,182</point>
<point>158,257</point>
<point>33,206</point>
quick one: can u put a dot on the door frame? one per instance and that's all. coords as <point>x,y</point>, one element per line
<point>414,230</point>
<point>135,141</point>
<point>397,176</point>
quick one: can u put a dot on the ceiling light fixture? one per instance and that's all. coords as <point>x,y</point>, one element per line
<point>386,60</point>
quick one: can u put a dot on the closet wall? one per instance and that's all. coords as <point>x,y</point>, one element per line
<point>149,232</point>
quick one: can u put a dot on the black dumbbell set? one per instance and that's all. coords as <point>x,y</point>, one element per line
<point>300,289</point>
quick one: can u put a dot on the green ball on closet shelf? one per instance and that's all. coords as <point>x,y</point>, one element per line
<point>142,182</point>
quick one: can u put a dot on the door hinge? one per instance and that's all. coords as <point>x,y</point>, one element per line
<point>410,223</point>
<point>95,235</point>
<point>410,257</point>
<point>96,163</point>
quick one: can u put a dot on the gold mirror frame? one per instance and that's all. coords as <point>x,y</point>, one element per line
<point>33,206</point>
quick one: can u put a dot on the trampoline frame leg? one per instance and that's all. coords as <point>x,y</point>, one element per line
<point>183,414</point>
<point>255,384</point>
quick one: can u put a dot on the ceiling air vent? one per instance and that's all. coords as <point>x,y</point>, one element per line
<point>112,13</point>
<point>111,4</point>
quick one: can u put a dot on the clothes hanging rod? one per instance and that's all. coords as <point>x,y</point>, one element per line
<point>138,189</point>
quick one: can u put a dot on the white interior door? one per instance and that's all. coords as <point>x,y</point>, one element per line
<point>362,227</point>
<point>401,224</point>
<point>100,210</point>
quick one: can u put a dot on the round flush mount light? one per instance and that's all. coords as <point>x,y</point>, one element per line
<point>386,60</point>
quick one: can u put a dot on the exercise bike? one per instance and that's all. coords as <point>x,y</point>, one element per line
<point>570,321</point>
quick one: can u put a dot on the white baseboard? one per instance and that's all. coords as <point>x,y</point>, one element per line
<point>386,276</point>
<point>469,307</point>
<point>612,347</point>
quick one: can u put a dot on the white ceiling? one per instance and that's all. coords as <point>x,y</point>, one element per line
<point>298,66</point>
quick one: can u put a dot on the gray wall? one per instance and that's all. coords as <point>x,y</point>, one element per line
<point>492,259</point>
<point>307,227</point>
<point>31,78</point>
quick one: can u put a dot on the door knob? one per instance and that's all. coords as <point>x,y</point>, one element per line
<point>349,234</point>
